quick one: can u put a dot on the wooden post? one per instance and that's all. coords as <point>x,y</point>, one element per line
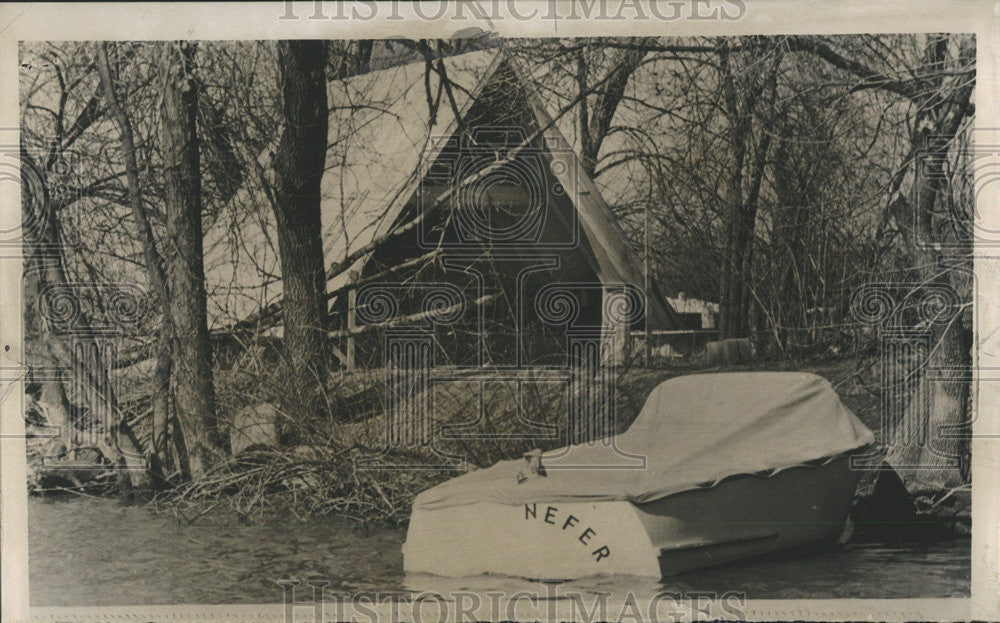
<point>648,338</point>
<point>615,331</point>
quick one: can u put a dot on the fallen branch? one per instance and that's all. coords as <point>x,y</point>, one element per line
<point>412,318</point>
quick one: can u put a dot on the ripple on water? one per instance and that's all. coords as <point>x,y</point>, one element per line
<point>95,552</point>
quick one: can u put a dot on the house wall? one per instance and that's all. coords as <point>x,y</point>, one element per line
<point>512,234</point>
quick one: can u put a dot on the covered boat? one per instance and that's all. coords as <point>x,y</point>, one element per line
<point>716,467</point>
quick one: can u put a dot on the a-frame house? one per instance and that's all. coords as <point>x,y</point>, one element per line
<point>503,232</point>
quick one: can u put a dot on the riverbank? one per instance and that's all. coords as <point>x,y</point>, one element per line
<point>342,469</point>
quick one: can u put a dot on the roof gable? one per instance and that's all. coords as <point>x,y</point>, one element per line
<point>383,136</point>
<point>385,131</point>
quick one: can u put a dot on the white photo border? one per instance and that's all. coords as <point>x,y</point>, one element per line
<point>226,21</point>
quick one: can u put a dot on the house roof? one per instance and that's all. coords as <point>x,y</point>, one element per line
<point>381,139</point>
<point>379,133</point>
<point>382,144</point>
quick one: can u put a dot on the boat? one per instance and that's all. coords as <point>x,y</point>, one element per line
<point>715,468</point>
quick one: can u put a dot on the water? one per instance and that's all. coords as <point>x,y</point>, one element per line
<point>100,552</point>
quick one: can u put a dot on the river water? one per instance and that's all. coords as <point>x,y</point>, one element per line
<point>100,552</point>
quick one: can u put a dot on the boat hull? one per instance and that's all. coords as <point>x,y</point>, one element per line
<point>740,517</point>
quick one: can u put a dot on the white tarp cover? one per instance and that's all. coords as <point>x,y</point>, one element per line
<point>694,431</point>
<point>380,134</point>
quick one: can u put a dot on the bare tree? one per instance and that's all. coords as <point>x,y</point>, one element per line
<point>45,281</point>
<point>594,120</point>
<point>193,380</point>
<point>742,104</point>
<point>298,170</point>
<point>777,174</point>
<point>51,187</point>
<point>159,451</point>
<point>939,411</point>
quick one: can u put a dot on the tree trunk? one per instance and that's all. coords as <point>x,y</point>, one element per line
<point>729,279</point>
<point>299,164</point>
<point>194,395</point>
<point>47,349</point>
<point>594,127</point>
<point>741,204</point>
<point>160,462</point>
<point>159,453</point>
<point>937,455</point>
